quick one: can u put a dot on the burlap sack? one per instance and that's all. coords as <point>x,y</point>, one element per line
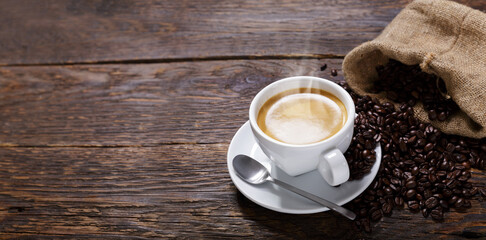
<point>447,39</point>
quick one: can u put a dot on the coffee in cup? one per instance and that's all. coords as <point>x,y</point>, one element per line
<point>302,116</point>
<point>303,124</point>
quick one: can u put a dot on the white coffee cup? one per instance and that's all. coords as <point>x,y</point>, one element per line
<point>327,155</point>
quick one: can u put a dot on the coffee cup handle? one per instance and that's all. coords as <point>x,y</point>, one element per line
<point>333,167</point>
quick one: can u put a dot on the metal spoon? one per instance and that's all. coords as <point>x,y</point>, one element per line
<point>251,171</point>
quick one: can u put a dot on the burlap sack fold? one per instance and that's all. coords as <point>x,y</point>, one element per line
<point>447,39</point>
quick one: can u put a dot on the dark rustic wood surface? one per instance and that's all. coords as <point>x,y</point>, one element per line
<point>115,116</point>
<point>72,31</point>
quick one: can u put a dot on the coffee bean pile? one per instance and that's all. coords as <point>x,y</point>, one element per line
<point>361,154</point>
<point>408,84</point>
<point>422,169</point>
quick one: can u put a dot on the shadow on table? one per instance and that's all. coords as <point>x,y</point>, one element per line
<point>301,226</point>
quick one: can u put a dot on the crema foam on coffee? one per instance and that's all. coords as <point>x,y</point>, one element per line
<point>302,116</point>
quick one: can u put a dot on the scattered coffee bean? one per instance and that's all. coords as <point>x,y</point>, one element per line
<point>437,214</point>
<point>376,215</point>
<point>323,67</point>
<point>425,212</point>
<point>413,205</point>
<point>334,72</point>
<point>366,225</point>
<point>483,192</point>
<point>459,203</point>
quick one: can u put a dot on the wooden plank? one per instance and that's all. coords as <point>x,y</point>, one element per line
<point>165,192</point>
<point>57,31</point>
<point>137,104</point>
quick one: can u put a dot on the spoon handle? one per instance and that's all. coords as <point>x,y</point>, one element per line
<point>343,211</point>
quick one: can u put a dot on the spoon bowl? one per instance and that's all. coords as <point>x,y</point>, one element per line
<point>250,170</point>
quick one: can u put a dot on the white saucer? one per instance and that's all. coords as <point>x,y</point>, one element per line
<point>273,197</point>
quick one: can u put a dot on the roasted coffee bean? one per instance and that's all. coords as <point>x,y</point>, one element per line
<point>431,202</point>
<point>437,214</point>
<point>334,72</point>
<point>444,204</point>
<point>380,193</point>
<point>459,203</point>
<point>460,158</point>
<point>453,200</point>
<point>395,181</point>
<point>387,209</point>
<point>425,212</point>
<point>432,115</point>
<point>432,178</point>
<point>451,183</point>
<point>482,191</point>
<point>474,191</point>
<point>415,170</point>
<point>366,225</point>
<point>456,173</point>
<point>323,67</point>
<point>413,205</point>
<point>459,167</point>
<point>427,193</point>
<point>399,201</point>
<point>397,172</point>
<point>411,194</point>
<point>444,164</point>
<point>376,215</point>
<point>446,193</point>
<point>362,212</point>
<point>428,147</point>
<point>450,147</point>
<point>438,195</point>
<point>421,142</point>
<point>463,178</point>
<point>442,116</point>
<point>411,184</point>
<point>456,191</point>
<point>441,174</point>
<point>419,197</point>
<point>412,140</point>
<point>467,165</point>
<point>374,205</point>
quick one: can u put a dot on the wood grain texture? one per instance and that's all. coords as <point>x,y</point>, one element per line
<point>57,31</point>
<point>166,192</point>
<point>138,151</point>
<point>137,104</point>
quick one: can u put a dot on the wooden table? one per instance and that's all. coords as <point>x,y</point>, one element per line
<point>116,116</point>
